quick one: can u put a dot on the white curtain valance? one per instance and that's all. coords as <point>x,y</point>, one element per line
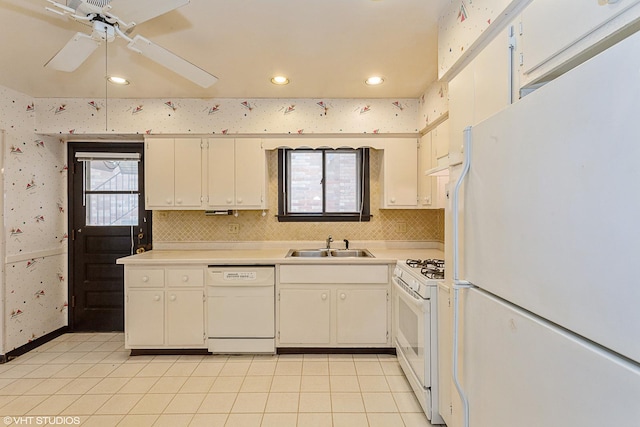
<point>275,143</point>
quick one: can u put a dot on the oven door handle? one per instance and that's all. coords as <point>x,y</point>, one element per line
<point>415,303</point>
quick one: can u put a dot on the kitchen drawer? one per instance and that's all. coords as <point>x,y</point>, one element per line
<point>145,278</point>
<point>185,277</point>
<point>323,273</point>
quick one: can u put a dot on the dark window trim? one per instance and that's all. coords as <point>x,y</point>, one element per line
<point>283,216</point>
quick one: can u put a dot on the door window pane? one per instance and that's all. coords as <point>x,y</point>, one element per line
<point>112,209</point>
<point>108,175</point>
<point>111,194</point>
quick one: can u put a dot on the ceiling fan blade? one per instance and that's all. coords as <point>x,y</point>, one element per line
<point>172,61</point>
<point>74,53</point>
<point>139,11</point>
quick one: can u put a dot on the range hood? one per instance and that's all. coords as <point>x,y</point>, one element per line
<point>438,171</point>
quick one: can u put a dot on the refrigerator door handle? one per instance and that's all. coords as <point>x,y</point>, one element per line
<point>457,283</point>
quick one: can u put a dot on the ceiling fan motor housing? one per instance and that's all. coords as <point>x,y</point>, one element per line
<point>103,31</point>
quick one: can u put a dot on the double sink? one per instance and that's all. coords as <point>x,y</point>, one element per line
<point>338,253</point>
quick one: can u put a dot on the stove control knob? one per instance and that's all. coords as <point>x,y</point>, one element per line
<point>414,285</point>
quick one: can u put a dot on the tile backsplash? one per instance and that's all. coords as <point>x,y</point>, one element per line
<point>403,225</point>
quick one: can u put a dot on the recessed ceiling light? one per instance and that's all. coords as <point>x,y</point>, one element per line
<point>118,80</point>
<point>374,80</point>
<point>280,80</point>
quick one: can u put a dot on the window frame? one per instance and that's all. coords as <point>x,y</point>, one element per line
<point>284,216</point>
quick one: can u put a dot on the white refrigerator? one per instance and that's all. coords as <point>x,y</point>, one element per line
<point>547,261</point>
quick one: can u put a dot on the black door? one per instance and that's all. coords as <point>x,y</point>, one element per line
<point>107,221</point>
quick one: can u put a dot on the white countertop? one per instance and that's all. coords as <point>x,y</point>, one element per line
<point>271,256</point>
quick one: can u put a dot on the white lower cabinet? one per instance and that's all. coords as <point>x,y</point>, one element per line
<point>333,306</point>
<point>305,316</point>
<point>185,317</point>
<point>164,307</point>
<point>361,316</point>
<point>445,344</point>
<point>145,317</point>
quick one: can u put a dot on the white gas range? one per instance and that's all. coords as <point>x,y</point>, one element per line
<point>415,325</point>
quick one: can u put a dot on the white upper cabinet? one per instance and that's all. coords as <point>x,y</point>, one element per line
<point>555,32</point>
<point>425,162</point>
<point>173,173</point>
<point>237,174</point>
<point>479,91</point>
<point>400,174</point>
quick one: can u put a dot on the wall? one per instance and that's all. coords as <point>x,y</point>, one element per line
<point>226,116</point>
<point>433,104</point>
<point>35,286</point>
<point>466,25</point>
<point>249,117</point>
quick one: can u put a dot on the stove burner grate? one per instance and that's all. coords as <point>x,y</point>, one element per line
<point>431,268</point>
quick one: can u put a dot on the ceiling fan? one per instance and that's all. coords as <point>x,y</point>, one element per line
<point>117,18</point>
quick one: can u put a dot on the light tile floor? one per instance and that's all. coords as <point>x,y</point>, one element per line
<point>90,380</point>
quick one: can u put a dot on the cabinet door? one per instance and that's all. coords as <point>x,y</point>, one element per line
<point>551,28</point>
<point>185,317</point>
<point>425,191</point>
<point>145,317</point>
<point>159,172</point>
<point>400,174</point>
<point>221,181</point>
<point>445,342</point>
<point>440,156</point>
<point>440,142</point>
<point>305,316</point>
<point>361,316</point>
<point>250,173</point>
<point>188,172</point>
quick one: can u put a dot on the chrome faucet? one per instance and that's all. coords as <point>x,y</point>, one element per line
<point>329,240</point>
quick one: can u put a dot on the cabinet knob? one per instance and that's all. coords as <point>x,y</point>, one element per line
<point>168,201</point>
<point>172,297</point>
<point>185,278</point>
<point>229,201</point>
<point>179,201</point>
<point>145,278</point>
<point>239,200</point>
<point>156,297</point>
<point>343,296</point>
<point>392,200</point>
<point>324,297</point>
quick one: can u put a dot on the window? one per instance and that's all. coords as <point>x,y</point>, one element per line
<point>323,185</point>
<point>110,190</point>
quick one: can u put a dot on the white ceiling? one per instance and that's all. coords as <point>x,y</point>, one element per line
<point>326,47</point>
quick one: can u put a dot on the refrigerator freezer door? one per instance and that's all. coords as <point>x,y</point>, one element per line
<point>552,201</point>
<point>523,371</point>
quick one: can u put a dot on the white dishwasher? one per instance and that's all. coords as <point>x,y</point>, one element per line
<point>241,309</point>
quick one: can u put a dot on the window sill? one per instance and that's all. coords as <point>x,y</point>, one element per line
<point>324,218</point>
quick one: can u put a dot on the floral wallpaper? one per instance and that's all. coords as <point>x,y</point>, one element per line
<point>465,22</point>
<point>226,116</point>
<point>35,265</point>
<point>433,104</point>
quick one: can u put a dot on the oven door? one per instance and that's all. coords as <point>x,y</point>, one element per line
<point>412,331</point>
